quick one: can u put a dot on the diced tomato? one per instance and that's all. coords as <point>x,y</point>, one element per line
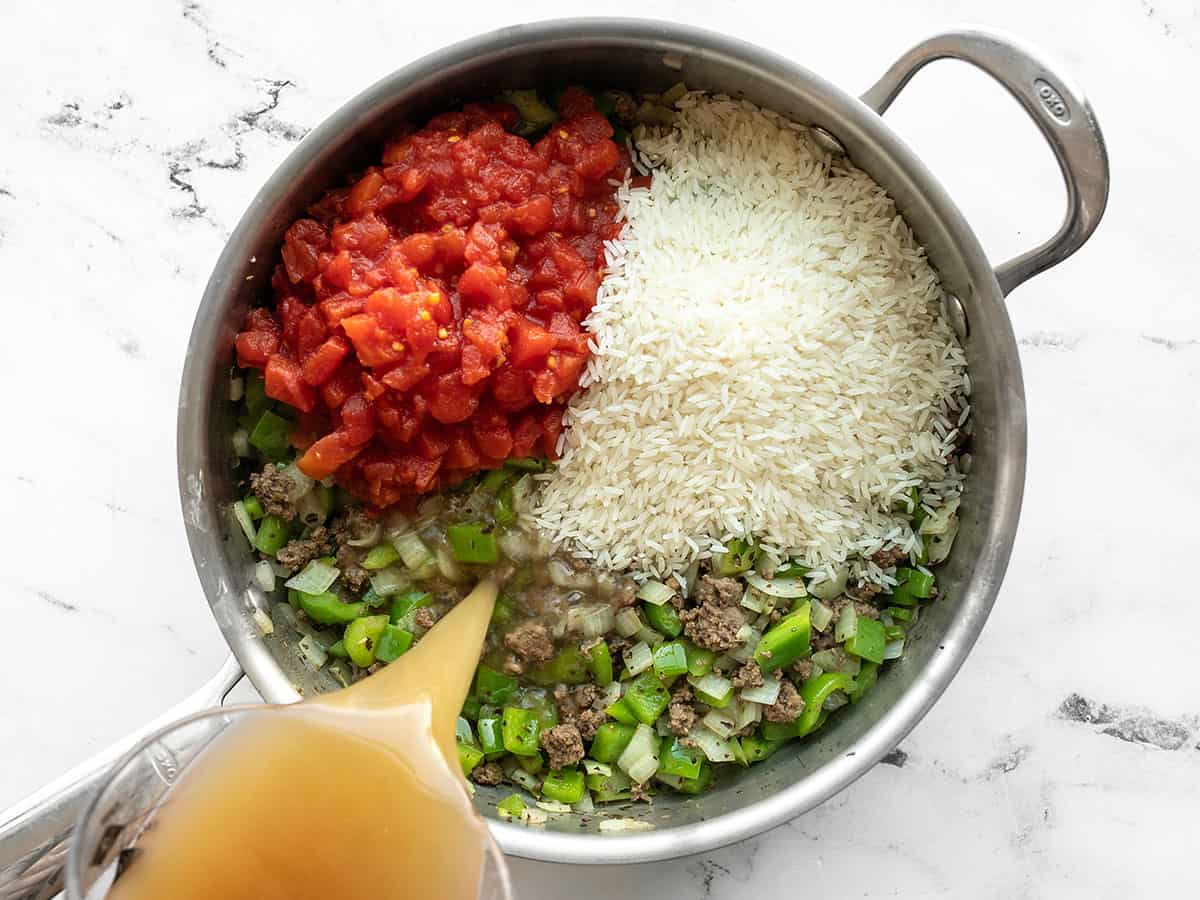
<point>346,381</point>
<point>327,455</point>
<point>284,383</point>
<point>492,435</point>
<point>531,343</point>
<point>551,428</point>
<point>510,389</point>
<point>451,400</point>
<point>462,453</point>
<point>526,434</point>
<point>373,345</point>
<point>324,361</point>
<point>431,444</point>
<point>254,348</point>
<point>485,285</point>
<point>340,306</point>
<point>404,377</point>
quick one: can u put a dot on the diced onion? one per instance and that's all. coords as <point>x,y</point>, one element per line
<point>245,522</point>
<point>526,780</point>
<point>749,637</point>
<point>655,593</point>
<point>412,550</point>
<point>830,587</point>
<point>766,694</point>
<point>672,781</point>
<point>836,659</point>
<point>311,509</point>
<point>553,806</point>
<point>263,621</point>
<point>584,804</point>
<point>650,636</point>
<point>893,649</point>
<point>715,747</point>
<point>311,652</point>
<point>940,544</point>
<point>301,483</point>
<point>754,601</point>
<point>591,767</point>
<point>531,816</point>
<point>241,443</point>
<point>389,581</point>
<point>612,693</point>
<point>515,545</point>
<point>237,389</point>
<point>429,510</point>
<point>748,714</point>
<point>449,566</point>
<point>939,521</point>
<point>315,578</point>
<point>638,658</point>
<point>264,575</point>
<point>847,624</point>
<point>767,563</point>
<point>712,685</point>
<point>613,826</point>
<point>787,588</point>
<point>628,622</point>
<point>836,700</point>
<point>522,493</point>
<point>563,575</point>
<point>819,615</point>
<point>592,620</point>
<point>640,755</point>
<point>721,722</point>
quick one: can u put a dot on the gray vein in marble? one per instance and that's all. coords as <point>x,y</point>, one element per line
<point>1053,340</point>
<point>1136,726</point>
<point>1168,342</point>
<point>56,602</point>
<point>217,51</point>
<point>1009,762</point>
<point>5,192</point>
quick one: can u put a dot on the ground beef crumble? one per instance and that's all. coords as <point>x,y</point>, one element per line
<point>681,715</point>
<point>749,675</point>
<point>273,490</point>
<point>425,617</point>
<point>718,591</point>
<point>789,705</point>
<point>353,575</point>
<point>564,744</point>
<point>487,773</point>
<point>638,792</point>
<point>298,553</point>
<point>531,642</point>
<point>804,668</point>
<point>713,627</point>
<point>887,557</point>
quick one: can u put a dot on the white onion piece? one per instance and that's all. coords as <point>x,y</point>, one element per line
<point>754,601</point>
<point>749,636</point>
<point>715,747</point>
<point>527,781</point>
<point>638,658</point>
<point>241,443</point>
<point>938,521</point>
<point>766,694</point>
<point>314,578</point>
<point>655,593</point>
<point>449,566</point>
<point>264,575</point>
<point>263,621</point>
<point>836,700</point>
<point>819,615</point>
<point>640,754</point>
<point>552,806</point>
<point>788,588</point>
<point>301,483</point>
<point>722,722</point>
<point>237,389</point>
<point>847,624</point>
<point>311,652</point>
<point>830,588</point>
<point>562,574</point>
<point>612,694</point>
<point>615,826</point>
<point>243,520</point>
<point>749,713</point>
<point>584,804</point>
<point>628,622</point>
<point>515,545</point>
<point>591,767</point>
<point>591,619</point>
<point>940,544</point>
<point>893,649</point>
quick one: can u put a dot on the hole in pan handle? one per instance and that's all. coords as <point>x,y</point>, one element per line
<point>1057,107</point>
<point>35,833</point>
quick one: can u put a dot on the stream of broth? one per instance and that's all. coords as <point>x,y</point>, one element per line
<point>356,794</point>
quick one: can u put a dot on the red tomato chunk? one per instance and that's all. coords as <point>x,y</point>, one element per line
<point>427,319</point>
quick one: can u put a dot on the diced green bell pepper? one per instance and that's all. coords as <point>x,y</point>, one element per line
<point>663,618</point>
<point>468,757</point>
<point>868,640</point>
<point>338,649</point>
<point>815,692</point>
<point>405,603</point>
<point>700,662</point>
<point>503,510</point>
<point>646,697</point>
<point>491,736</point>
<point>700,783</point>
<point>570,666</point>
<point>676,759</point>
<point>867,676</point>
<point>380,557</point>
<point>270,435</point>
<point>622,712</point>
<point>393,643</point>
<point>256,398</point>
<point>611,740</point>
<point>786,641</point>
<point>473,542</point>
<point>362,639</point>
<point>738,558</point>
<point>494,687</point>
<point>272,535</point>
<point>329,609</point>
<point>530,764</point>
<point>608,788</point>
<point>519,729</point>
<point>599,659</point>
<point>512,806</point>
<point>670,659</point>
<point>254,507</point>
<point>759,748</point>
<point>563,785</point>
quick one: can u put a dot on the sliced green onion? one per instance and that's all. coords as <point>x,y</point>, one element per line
<point>314,578</point>
<point>655,593</point>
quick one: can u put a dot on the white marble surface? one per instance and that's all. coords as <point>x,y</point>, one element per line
<point>134,134</point>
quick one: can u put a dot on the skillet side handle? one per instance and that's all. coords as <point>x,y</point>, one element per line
<point>35,834</point>
<point>1057,107</point>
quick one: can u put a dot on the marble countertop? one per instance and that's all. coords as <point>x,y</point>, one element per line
<point>1064,761</point>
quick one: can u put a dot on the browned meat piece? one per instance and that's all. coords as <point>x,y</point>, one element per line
<point>681,716</point>
<point>273,490</point>
<point>589,721</point>
<point>564,743</point>
<point>576,706</point>
<point>867,589</point>
<point>487,773</point>
<point>789,705</point>
<point>512,665</point>
<point>624,106</point>
<point>803,668</point>
<point>749,675</point>
<point>625,593</point>
<point>298,553</point>
<point>718,591</point>
<point>425,617</point>
<point>887,557</point>
<point>351,525</point>
<point>823,640</point>
<point>861,607</point>
<point>638,792</point>
<point>530,641</point>
<point>353,575</point>
<point>713,627</point>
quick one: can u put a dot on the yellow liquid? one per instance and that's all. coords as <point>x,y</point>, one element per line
<point>351,795</point>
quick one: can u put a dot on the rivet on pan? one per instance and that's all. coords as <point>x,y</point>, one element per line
<point>956,315</point>
<point>827,141</point>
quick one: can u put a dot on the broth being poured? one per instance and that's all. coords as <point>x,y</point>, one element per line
<point>353,794</point>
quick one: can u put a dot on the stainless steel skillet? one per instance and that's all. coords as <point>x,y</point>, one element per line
<point>642,55</point>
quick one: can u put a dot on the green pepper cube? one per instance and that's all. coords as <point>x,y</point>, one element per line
<point>700,662</point>
<point>663,618</point>
<point>815,692</point>
<point>700,783</point>
<point>519,729</point>
<point>494,480</point>
<point>608,788</point>
<point>405,603</point>
<point>920,584</point>
<point>868,640</point>
<point>670,659</point>
<point>256,392</point>
<point>646,697</point>
<point>759,748</point>
<point>329,609</point>
<point>362,639</point>
<point>468,757</point>
<point>338,649</point>
<point>491,737</point>
<point>272,535</point>
<point>511,806</point>
<point>739,557</point>
<point>867,676</point>
<point>786,641</point>
<point>676,759</point>
<point>254,507</point>
<point>779,732</point>
<point>530,764</point>
<point>470,707</point>
<point>900,613</point>
<point>610,741</point>
<point>563,785</point>
<point>473,542</point>
<point>599,659</point>
<point>506,606</point>
<point>494,687</point>
<point>270,434</point>
<point>893,633</point>
<point>393,643</point>
<point>503,510</point>
<point>622,712</point>
<point>569,666</point>
<point>380,557</point>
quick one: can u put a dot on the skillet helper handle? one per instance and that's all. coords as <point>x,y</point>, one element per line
<point>35,834</point>
<point>1057,107</point>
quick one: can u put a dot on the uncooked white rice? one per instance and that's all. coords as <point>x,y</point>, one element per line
<point>770,359</point>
